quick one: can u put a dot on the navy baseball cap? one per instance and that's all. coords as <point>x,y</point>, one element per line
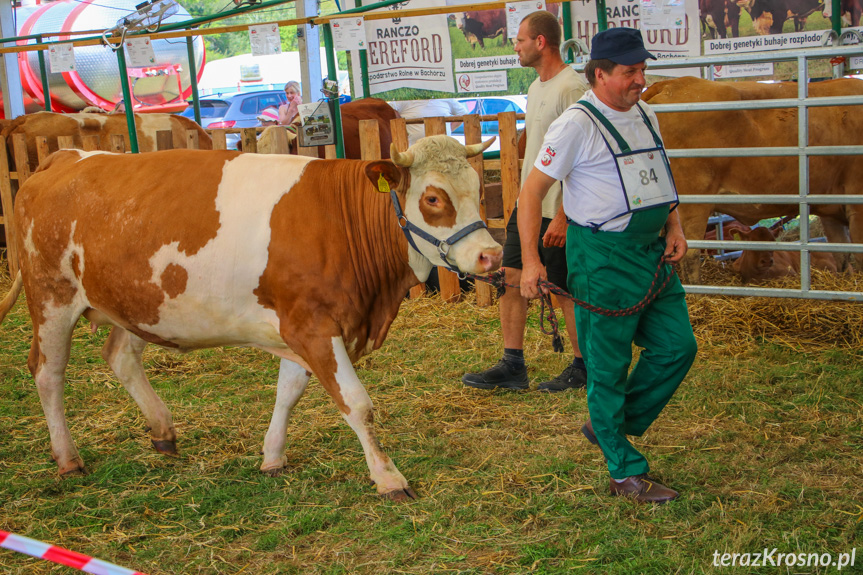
<point>620,45</point>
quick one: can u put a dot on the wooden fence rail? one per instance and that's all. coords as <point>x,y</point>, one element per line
<point>13,174</point>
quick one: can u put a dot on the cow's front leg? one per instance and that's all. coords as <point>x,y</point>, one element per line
<point>330,362</point>
<point>293,380</point>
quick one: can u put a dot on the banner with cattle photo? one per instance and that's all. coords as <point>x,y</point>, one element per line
<point>475,48</point>
<point>738,26</point>
<point>665,38</point>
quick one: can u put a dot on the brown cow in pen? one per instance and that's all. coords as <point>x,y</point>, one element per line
<point>51,125</point>
<point>828,126</point>
<point>300,257</point>
<point>766,264</point>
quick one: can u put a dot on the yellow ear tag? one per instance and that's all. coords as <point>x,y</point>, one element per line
<point>736,237</point>
<point>383,184</point>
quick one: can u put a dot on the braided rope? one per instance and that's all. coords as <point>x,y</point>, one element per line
<point>498,280</point>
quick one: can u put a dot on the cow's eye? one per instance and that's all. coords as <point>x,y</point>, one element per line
<point>432,200</point>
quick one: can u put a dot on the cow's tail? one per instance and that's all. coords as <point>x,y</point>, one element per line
<point>11,297</point>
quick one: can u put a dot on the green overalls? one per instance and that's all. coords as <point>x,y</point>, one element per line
<point>614,270</point>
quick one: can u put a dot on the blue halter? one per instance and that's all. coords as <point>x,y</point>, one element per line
<point>442,245</point>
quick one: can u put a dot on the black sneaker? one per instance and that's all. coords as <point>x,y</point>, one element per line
<point>500,375</point>
<point>571,378</point>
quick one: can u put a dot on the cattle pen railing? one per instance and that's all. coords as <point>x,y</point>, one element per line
<point>803,151</point>
<point>16,168</point>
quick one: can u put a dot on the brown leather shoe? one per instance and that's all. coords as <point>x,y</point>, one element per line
<point>643,489</point>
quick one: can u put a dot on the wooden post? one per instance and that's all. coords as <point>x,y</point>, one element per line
<point>193,140</point>
<point>118,143</point>
<point>90,143</point>
<point>42,150</point>
<point>370,140</point>
<point>400,140</point>
<point>450,290</point>
<point>22,160</point>
<point>66,142</point>
<point>330,152</point>
<point>164,140</point>
<point>219,140</point>
<point>473,135</point>
<point>8,219</point>
<point>308,151</point>
<point>509,176</point>
<point>249,136</point>
<point>280,139</point>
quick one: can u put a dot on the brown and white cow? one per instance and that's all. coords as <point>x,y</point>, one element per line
<point>828,126</point>
<point>51,125</point>
<point>765,264</point>
<point>301,257</point>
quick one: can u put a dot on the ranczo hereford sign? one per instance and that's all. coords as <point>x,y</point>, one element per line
<point>410,52</point>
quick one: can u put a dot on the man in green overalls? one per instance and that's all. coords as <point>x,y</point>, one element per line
<point>618,196</point>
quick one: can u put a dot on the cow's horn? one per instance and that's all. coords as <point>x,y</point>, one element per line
<point>472,150</point>
<point>403,159</point>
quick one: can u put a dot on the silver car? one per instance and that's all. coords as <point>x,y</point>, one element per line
<point>238,110</point>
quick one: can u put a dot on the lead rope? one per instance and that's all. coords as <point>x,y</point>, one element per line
<point>498,280</point>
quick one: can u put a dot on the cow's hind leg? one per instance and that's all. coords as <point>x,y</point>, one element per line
<point>293,380</point>
<point>123,352</point>
<point>855,228</point>
<point>49,355</point>
<point>333,367</point>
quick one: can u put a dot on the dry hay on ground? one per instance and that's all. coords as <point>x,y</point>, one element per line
<point>730,322</point>
<point>738,322</point>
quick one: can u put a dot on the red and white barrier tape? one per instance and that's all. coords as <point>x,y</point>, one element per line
<point>62,556</point>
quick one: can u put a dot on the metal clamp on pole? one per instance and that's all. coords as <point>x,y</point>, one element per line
<point>148,16</point>
<point>574,51</point>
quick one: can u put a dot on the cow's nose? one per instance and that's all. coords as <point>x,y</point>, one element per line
<point>489,260</point>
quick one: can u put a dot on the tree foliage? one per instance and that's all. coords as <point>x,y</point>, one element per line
<point>235,43</point>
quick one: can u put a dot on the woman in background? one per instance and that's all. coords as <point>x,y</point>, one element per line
<point>288,112</point>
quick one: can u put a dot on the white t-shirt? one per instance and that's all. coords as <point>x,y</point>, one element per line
<point>426,109</point>
<point>574,151</point>
<point>546,101</point>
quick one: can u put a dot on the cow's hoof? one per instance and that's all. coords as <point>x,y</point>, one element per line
<point>400,495</point>
<point>275,471</point>
<point>165,446</point>
<point>73,471</point>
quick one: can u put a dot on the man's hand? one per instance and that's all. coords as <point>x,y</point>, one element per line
<point>555,235</point>
<point>676,246</point>
<point>530,275</point>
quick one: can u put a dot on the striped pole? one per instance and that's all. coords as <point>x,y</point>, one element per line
<point>62,556</point>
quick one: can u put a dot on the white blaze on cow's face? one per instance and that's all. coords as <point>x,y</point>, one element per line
<point>443,198</point>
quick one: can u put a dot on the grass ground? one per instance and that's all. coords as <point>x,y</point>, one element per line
<point>763,440</point>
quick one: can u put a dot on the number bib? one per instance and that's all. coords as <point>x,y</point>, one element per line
<point>646,179</point>
<point>645,174</point>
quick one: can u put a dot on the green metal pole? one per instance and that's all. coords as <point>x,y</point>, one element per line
<point>836,17</point>
<point>566,14</point>
<point>332,75</point>
<point>127,99</point>
<point>46,93</point>
<point>364,67</point>
<point>601,15</point>
<point>193,77</point>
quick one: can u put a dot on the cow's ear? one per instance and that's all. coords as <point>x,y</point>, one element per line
<point>384,175</point>
<point>736,236</point>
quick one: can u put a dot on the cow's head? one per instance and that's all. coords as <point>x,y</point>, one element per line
<point>754,264</point>
<point>438,196</point>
